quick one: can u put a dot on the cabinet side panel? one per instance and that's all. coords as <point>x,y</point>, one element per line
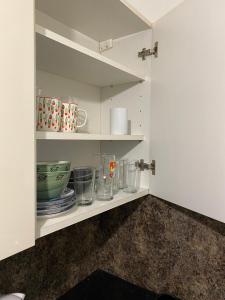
<point>134,96</point>
<point>17,151</point>
<point>188,108</point>
<point>125,51</point>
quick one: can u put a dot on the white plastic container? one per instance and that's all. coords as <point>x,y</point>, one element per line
<point>119,121</point>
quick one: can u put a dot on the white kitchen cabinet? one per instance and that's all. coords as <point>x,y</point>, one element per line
<point>116,77</point>
<point>173,118</point>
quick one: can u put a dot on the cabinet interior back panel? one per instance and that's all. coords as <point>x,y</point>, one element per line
<point>80,153</point>
<point>86,96</point>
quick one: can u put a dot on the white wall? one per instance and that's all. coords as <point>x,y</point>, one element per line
<point>188,107</point>
<point>153,10</point>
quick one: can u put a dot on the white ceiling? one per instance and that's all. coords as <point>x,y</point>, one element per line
<point>153,10</point>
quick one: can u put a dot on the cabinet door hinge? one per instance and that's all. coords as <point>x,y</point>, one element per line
<point>146,166</point>
<point>147,52</point>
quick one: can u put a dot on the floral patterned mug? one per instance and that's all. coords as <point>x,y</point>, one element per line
<point>48,114</point>
<point>70,114</point>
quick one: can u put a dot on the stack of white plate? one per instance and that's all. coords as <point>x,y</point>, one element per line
<point>58,206</point>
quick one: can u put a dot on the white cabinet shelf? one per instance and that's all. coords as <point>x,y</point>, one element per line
<point>59,55</point>
<point>41,135</point>
<point>100,20</point>
<point>78,214</point>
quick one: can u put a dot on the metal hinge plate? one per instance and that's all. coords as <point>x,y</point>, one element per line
<point>146,166</point>
<point>147,52</point>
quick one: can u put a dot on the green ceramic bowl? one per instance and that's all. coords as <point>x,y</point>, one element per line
<point>53,166</point>
<point>49,194</point>
<point>51,184</point>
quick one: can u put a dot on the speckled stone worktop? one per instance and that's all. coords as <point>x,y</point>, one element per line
<point>149,242</point>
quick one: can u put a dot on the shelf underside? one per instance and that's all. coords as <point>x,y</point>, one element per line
<point>58,55</point>
<point>78,214</point>
<point>98,19</point>
<point>41,135</point>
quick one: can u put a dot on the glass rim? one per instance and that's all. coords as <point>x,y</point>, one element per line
<point>105,154</point>
<point>83,168</point>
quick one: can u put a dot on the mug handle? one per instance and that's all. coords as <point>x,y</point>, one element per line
<point>85,119</point>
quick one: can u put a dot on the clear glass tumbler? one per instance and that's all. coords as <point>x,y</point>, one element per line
<point>106,173</point>
<point>84,185</point>
<point>132,177</point>
<point>116,179</point>
<point>122,170</point>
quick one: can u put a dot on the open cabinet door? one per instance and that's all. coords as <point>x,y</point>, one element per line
<point>188,108</point>
<point>17,150</point>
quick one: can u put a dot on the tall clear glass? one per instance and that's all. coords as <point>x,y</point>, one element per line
<point>84,185</point>
<point>122,170</point>
<point>133,177</point>
<point>106,173</point>
<point>116,179</point>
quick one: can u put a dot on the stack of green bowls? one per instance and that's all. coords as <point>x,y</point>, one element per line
<point>52,178</point>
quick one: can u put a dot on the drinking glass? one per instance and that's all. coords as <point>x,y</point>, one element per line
<point>132,177</point>
<point>122,170</point>
<point>106,173</point>
<point>84,184</point>
<point>116,179</point>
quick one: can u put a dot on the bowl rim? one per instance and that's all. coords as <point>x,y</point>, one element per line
<point>52,163</point>
<point>55,173</point>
